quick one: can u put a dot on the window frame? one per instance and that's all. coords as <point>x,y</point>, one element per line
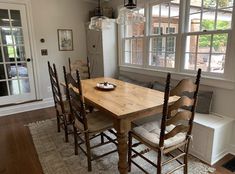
<point>180,44</point>
<point>123,39</point>
<point>186,33</point>
<point>150,35</point>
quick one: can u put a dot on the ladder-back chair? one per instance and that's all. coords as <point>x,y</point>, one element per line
<point>91,125</point>
<point>82,66</point>
<point>62,108</point>
<point>174,131</point>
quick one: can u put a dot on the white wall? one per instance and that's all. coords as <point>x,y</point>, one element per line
<point>48,16</point>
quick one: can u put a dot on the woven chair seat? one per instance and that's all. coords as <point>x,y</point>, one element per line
<point>97,122</point>
<point>150,133</point>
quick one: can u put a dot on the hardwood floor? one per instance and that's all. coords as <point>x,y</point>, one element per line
<point>17,152</point>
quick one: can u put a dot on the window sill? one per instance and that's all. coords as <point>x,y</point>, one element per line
<point>208,81</point>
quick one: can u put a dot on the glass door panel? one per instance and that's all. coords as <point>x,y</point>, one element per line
<point>16,74</point>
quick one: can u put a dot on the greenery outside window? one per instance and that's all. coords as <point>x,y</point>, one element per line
<point>206,38</point>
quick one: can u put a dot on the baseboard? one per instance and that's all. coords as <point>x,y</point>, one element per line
<point>219,156</point>
<point>45,103</point>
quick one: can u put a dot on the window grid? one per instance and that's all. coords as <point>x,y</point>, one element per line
<point>162,38</point>
<point>165,34</point>
<point>213,32</point>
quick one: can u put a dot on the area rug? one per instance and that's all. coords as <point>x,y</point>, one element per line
<point>57,157</point>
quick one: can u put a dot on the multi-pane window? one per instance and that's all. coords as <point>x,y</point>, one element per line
<point>209,25</point>
<point>182,36</point>
<point>134,43</point>
<point>163,33</point>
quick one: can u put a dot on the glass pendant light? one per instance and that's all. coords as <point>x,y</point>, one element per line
<point>130,14</point>
<point>99,22</point>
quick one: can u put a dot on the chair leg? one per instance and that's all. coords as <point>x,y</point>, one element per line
<point>66,131</point>
<point>159,162</point>
<point>186,158</point>
<point>75,140</point>
<point>88,147</point>
<point>186,164</point>
<point>58,121</point>
<point>129,151</point>
<point>91,109</point>
<point>102,138</point>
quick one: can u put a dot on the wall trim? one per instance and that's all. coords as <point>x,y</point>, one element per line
<point>219,156</point>
<point>45,103</point>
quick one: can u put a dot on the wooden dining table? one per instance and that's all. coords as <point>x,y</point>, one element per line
<point>126,103</point>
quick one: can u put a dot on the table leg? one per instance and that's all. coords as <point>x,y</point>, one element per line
<point>122,127</point>
<point>122,152</point>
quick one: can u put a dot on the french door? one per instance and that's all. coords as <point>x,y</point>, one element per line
<point>16,68</point>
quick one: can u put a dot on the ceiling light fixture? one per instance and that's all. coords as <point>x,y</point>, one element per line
<point>130,14</point>
<point>99,22</point>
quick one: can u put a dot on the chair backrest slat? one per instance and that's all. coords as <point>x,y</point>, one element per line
<point>180,116</point>
<point>176,130</point>
<point>83,68</point>
<point>184,101</point>
<point>173,113</point>
<point>57,99</point>
<point>54,83</point>
<point>183,85</point>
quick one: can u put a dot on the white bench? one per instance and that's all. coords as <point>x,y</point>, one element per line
<point>211,137</point>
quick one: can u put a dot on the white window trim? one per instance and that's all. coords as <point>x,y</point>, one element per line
<point>205,80</point>
<point>225,80</point>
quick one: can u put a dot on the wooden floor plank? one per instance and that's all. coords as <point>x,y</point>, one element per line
<point>18,154</point>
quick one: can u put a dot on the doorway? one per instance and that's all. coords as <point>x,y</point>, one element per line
<point>16,68</point>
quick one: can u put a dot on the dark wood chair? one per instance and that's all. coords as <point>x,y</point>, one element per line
<point>173,133</point>
<point>91,125</point>
<point>83,67</point>
<point>62,108</point>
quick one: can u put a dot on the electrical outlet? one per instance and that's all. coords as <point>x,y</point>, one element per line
<point>49,89</point>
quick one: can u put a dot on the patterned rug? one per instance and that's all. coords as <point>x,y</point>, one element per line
<point>57,157</point>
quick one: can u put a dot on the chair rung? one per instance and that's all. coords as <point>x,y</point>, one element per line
<point>100,156</point>
<point>110,139</point>
<point>101,144</point>
<point>111,131</point>
<point>174,158</point>
<point>82,150</point>
<point>137,165</point>
<point>142,156</point>
<point>136,144</point>
<point>94,136</point>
